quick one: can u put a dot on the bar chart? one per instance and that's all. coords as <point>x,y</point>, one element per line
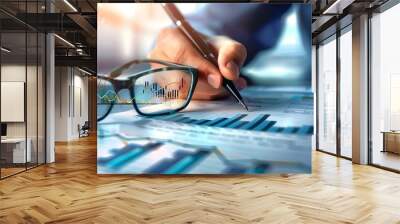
<point>182,158</point>
<point>212,137</point>
<point>236,121</point>
<point>171,90</point>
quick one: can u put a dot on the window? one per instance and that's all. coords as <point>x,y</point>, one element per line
<point>385,87</point>
<point>327,96</point>
<point>346,92</point>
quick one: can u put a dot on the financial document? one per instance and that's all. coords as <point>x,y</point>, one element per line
<point>213,137</point>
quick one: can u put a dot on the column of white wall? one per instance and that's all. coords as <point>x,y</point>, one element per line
<point>50,99</point>
<point>360,90</point>
<point>50,91</point>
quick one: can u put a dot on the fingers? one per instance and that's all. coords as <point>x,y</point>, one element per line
<point>204,91</point>
<point>231,56</point>
<point>207,70</point>
<point>173,46</point>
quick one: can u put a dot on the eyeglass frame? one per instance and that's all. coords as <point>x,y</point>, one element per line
<point>129,84</point>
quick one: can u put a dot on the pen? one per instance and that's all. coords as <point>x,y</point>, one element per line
<point>201,45</point>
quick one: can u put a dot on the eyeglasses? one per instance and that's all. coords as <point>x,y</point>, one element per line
<point>153,88</point>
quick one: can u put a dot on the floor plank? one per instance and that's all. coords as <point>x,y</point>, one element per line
<point>70,191</point>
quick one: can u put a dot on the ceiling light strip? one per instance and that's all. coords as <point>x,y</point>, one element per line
<point>64,40</point>
<point>84,71</point>
<point>5,50</point>
<point>70,5</point>
<point>337,7</point>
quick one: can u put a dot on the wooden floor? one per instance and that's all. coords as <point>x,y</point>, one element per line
<point>70,191</point>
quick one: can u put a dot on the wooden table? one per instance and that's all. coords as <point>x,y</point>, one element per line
<point>391,141</point>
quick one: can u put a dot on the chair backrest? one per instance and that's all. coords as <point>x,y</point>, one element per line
<point>86,125</point>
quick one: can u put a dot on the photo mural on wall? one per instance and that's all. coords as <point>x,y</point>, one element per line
<point>204,88</point>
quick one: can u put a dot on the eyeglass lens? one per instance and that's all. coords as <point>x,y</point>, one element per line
<point>163,91</point>
<point>106,96</point>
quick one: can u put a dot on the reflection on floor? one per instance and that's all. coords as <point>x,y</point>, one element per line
<point>386,159</point>
<point>10,171</point>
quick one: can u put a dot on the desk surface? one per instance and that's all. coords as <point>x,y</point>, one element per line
<point>390,132</point>
<point>13,140</point>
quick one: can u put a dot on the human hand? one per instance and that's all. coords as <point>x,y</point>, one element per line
<point>173,46</point>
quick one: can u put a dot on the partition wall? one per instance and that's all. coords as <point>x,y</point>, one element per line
<point>22,77</point>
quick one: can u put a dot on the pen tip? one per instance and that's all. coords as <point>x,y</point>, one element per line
<point>244,105</point>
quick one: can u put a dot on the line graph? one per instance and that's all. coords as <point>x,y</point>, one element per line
<point>111,97</point>
<point>145,93</point>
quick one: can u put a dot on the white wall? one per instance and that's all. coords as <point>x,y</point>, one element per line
<point>80,110</point>
<point>62,81</point>
<point>15,73</point>
<point>71,94</point>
